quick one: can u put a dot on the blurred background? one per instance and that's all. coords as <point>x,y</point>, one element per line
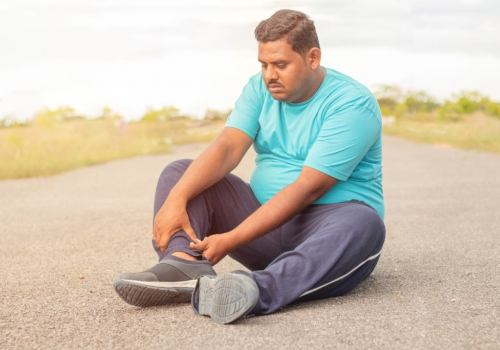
<point>196,54</point>
<point>126,61</point>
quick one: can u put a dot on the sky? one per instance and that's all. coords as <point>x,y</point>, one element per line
<point>198,54</point>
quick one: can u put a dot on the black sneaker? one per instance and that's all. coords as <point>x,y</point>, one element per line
<point>170,281</point>
<point>225,298</point>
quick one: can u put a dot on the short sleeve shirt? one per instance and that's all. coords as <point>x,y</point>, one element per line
<point>337,132</point>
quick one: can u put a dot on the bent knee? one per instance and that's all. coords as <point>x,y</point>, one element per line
<point>177,167</point>
<point>372,224</point>
<point>365,223</point>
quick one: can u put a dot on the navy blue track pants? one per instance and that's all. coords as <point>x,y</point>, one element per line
<point>325,251</point>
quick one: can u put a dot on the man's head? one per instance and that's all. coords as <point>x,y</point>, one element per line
<point>294,26</point>
<point>290,56</point>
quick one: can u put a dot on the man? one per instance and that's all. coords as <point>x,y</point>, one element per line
<point>308,226</point>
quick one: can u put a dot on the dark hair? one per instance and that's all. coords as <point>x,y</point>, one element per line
<point>296,26</point>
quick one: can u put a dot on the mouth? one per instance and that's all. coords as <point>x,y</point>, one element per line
<point>273,88</point>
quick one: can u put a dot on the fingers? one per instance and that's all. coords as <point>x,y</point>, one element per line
<point>201,245</point>
<point>207,251</point>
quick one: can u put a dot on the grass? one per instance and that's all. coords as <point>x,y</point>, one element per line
<point>37,150</point>
<point>476,131</point>
<point>41,150</point>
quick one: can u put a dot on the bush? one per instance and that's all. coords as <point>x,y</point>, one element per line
<point>388,97</point>
<point>420,101</point>
<point>215,114</point>
<point>160,115</point>
<point>47,117</point>
<point>493,109</point>
<point>468,102</point>
<point>393,101</point>
<point>10,122</point>
<point>451,111</point>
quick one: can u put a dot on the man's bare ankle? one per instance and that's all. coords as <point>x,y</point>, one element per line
<point>185,256</point>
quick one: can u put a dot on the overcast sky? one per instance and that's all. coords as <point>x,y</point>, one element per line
<point>195,54</point>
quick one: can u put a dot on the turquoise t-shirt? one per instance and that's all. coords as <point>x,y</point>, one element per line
<point>337,132</point>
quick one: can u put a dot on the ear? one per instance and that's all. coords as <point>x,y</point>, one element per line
<point>314,57</point>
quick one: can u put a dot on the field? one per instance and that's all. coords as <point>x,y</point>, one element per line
<point>41,150</point>
<point>473,131</point>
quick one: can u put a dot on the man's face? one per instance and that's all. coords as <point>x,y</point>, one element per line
<point>286,73</point>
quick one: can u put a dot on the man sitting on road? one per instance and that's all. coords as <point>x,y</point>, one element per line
<point>309,225</point>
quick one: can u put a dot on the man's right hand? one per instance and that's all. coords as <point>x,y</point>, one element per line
<point>171,218</point>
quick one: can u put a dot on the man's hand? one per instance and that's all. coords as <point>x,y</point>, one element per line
<point>214,248</point>
<point>171,218</point>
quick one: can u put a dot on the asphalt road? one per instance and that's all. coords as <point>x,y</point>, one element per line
<point>436,285</point>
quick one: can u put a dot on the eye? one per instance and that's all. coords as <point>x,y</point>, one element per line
<point>281,66</point>
<point>264,65</point>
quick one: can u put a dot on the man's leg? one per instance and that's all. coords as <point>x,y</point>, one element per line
<point>342,245</point>
<point>329,250</point>
<point>218,209</point>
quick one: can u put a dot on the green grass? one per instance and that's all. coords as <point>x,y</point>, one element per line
<point>37,150</point>
<point>476,131</point>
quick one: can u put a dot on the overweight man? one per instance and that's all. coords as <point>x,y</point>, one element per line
<point>310,223</point>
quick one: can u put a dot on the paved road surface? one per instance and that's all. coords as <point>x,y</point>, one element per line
<point>437,284</point>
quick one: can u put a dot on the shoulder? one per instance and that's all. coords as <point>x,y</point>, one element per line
<point>255,85</point>
<point>342,91</point>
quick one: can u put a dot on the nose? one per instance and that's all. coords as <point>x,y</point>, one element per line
<point>270,73</point>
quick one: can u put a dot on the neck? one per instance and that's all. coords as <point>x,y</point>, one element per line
<point>316,81</point>
<point>320,74</point>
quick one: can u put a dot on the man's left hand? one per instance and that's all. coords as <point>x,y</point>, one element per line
<point>214,248</point>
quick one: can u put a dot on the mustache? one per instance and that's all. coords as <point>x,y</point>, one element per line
<point>273,82</point>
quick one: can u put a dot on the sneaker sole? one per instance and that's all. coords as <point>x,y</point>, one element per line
<point>144,294</point>
<point>227,297</point>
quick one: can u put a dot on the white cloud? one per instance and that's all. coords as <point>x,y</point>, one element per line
<point>130,54</point>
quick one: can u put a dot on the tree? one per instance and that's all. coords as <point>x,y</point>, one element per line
<point>388,96</point>
<point>420,101</point>
<point>47,117</point>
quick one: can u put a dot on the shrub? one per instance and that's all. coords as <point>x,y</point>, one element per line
<point>393,101</point>
<point>160,115</point>
<point>215,114</point>
<point>420,101</point>
<point>47,117</point>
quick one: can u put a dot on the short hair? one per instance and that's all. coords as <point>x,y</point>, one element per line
<point>295,26</point>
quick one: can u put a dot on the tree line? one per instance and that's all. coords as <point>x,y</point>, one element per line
<point>47,117</point>
<point>393,101</point>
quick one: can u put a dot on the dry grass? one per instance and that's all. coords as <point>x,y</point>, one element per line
<point>478,132</point>
<point>46,150</point>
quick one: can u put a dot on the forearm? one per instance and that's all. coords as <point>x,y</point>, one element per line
<point>212,165</point>
<point>281,208</point>
<point>204,171</point>
<point>291,200</point>
<point>286,204</point>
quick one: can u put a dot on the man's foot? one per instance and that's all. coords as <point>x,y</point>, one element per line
<point>225,298</point>
<point>170,281</point>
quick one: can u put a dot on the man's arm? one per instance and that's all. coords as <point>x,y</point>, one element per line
<point>291,200</point>
<point>222,156</point>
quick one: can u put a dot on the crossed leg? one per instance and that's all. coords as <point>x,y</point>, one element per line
<point>325,251</point>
